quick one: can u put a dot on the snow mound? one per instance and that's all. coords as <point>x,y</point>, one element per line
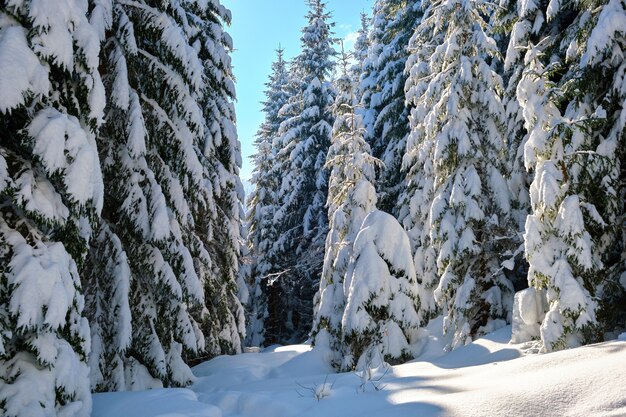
<point>171,402</point>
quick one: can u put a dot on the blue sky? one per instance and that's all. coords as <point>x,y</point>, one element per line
<point>258,27</point>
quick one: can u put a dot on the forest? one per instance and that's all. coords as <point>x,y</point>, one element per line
<point>463,165</point>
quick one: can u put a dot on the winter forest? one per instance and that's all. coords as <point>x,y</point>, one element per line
<point>460,172</point>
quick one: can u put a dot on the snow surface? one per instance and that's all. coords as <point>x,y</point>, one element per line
<point>489,377</point>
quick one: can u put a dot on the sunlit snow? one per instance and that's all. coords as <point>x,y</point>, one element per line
<point>489,377</point>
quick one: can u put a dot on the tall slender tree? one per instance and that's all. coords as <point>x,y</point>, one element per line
<point>262,204</point>
<point>219,151</point>
<point>351,197</point>
<point>571,93</point>
<point>359,57</point>
<point>387,124</point>
<point>304,141</point>
<point>457,198</point>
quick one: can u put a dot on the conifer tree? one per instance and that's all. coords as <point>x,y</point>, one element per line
<point>387,122</point>
<point>570,93</point>
<point>368,86</point>
<point>359,57</point>
<point>457,202</point>
<point>351,197</point>
<point>51,193</point>
<point>280,302</point>
<point>304,141</point>
<point>220,150</point>
<point>169,234</point>
<point>514,25</point>
<point>262,203</point>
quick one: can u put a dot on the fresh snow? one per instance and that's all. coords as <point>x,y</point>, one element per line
<point>489,377</point>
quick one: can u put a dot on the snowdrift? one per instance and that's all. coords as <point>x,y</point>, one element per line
<point>489,377</point>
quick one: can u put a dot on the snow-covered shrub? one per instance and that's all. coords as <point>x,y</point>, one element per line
<point>373,376</point>
<point>318,391</point>
<point>382,295</point>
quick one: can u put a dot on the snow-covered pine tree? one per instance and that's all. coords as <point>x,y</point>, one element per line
<point>596,88</point>
<point>368,87</point>
<point>514,25</point>
<point>457,203</point>
<point>139,145</point>
<point>220,154</point>
<point>351,197</point>
<point>381,317</point>
<point>279,304</point>
<point>169,156</point>
<point>387,125</point>
<point>603,78</point>
<point>359,57</point>
<point>51,193</point>
<point>262,203</point>
<point>304,142</point>
<point>572,97</point>
<point>417,197</point>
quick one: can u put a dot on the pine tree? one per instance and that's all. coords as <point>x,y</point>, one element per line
<point>457,203</point>
<point>387,124</point>
<point>603,78</point>
<point>51,192</point>
<point>169,234</point>
<point>570,93</point>
<point>515,25</point>
<point>381,316</point>
<point>368,86</point>
<point>224,326</point>
<point>359,57</point>
<point>304,141</point>
<point>351,197</point>
<point>280,289</point>
<point>262,203</point>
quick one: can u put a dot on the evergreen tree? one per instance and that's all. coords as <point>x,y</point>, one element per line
<point>381,316</point>
<point>224,325</point>
<point>351,197</point>
<point>515,24</point>
<point>262,203</point>
<point>304,141</point>
<point>571,94</point>
<point>169,234</point>
<point>280,302</point>
<point>457,202</point>
<point>368,86</point>
<point>51,193</point>
<point>387,124</point>
<point>359,57</point>
<point>603,81</point>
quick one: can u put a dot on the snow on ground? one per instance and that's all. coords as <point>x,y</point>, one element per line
<point>489,377</point>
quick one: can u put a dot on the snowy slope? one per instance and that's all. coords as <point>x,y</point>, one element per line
<point>489,377</point>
